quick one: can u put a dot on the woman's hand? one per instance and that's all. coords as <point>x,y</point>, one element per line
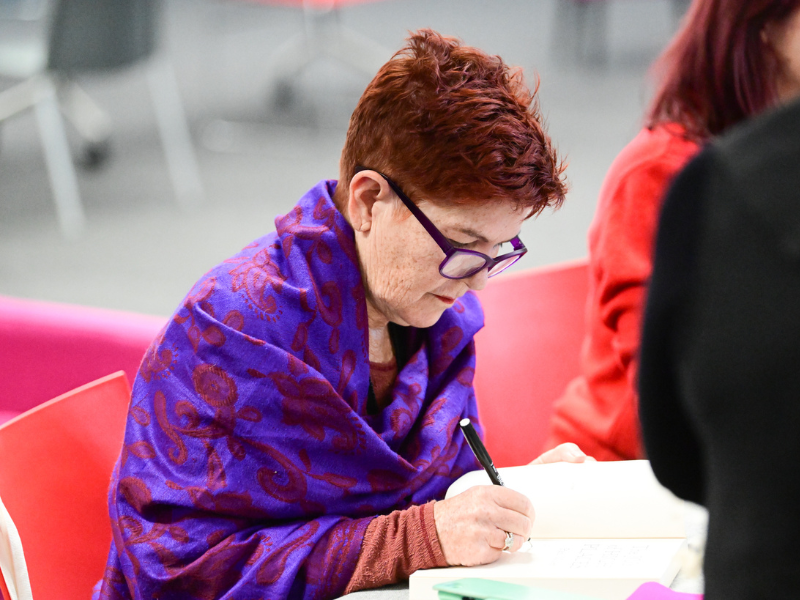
<point>568,452</point>
<point>472,526</point>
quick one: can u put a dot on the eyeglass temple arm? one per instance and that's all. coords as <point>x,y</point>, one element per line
<point>437,236</point>
<point>446,246</point>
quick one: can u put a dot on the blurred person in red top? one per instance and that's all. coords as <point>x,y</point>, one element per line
<point>727,63</point>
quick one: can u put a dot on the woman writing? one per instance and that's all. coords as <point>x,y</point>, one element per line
<point>292,425</point>
<point>726,64</point>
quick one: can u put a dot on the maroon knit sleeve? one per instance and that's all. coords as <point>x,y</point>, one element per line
<point>395,546</point>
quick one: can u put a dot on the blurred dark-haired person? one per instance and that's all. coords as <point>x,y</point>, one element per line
<point>294,423</point>
<point>719,380</point>
<point>732,59</point>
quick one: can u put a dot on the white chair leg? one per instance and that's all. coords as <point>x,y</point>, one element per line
<point>361,52</point>
<point>326,35</point>
<point>59,161</point>
<point>12,558</point>
<point>290,58</point>
<point>90,121</point>
<point>175,135</point>
<point>18,98</point>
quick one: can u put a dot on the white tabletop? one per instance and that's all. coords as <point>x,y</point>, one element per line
<point>689,578</point>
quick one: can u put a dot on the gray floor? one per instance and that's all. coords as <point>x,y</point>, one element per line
<point>141,252</point>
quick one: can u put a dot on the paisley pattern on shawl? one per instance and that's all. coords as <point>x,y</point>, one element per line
<point>250,467</point>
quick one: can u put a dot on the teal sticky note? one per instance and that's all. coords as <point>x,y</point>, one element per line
<point>487,589</point>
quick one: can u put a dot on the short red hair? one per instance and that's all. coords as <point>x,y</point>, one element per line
<point>718,71</point>
<point>452,124</point>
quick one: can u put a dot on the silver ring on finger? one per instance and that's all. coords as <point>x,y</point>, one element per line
<point>509,541</point>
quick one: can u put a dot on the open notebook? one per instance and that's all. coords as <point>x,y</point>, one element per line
<point>601,529</point>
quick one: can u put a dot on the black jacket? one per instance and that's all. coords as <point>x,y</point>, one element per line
<point>719,378</point>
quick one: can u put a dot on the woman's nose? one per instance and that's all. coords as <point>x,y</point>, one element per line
<point>479,280</point>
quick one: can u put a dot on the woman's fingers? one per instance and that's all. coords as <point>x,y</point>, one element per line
<point>498,541</point>
<point>568,452</point>
<point>511,499</point>
<point>518,524</point>
<point>472,526</point>
<point>519,540</point>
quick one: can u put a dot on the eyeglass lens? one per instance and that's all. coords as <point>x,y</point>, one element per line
<point>501,266</point>
<point>462,264</point>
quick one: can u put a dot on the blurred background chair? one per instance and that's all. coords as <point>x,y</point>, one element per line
<point>527,352</point>
<point>143,255</point>
<point>581,29</point>
<point>47,348</point>
<point>580,33</point>
<point>23,10</point>
<point>81,36</point>
<point>311,80</point>
<point>322,35</point>
<point>55,471</point>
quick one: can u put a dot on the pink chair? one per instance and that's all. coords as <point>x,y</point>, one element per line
<point>527,353</point>
<point>48,348</point>
<point>55,471</point>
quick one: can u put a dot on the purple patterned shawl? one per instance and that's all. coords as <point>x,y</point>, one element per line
<point>250,467</point>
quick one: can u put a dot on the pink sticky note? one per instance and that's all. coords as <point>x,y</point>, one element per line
<point>656,591</point>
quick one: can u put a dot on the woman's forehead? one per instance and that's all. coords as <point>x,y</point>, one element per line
<point>484,221</point>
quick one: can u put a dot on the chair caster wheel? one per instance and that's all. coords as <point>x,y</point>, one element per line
<point>95,154</point>
<point>283,97</point>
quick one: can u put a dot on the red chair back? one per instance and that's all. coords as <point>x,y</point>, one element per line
<point>49,348</point>
<point>55,467</point>
<point>526,354</point>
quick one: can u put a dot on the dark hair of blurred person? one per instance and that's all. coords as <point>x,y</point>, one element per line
<point>730,60</point>
<point>721,68</point>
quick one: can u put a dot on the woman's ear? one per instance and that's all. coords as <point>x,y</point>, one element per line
<point>366,188</point>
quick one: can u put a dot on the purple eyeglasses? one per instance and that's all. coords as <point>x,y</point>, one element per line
<point>458,263</point>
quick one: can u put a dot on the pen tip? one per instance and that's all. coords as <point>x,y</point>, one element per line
<point>464,422</point>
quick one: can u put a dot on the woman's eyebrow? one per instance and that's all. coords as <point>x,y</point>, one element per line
<point>478,236</point>
<point>472,233</point>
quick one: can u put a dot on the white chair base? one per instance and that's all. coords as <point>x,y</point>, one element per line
<point>49,96</point>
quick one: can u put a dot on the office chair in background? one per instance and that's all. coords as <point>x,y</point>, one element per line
<point>581,30</point>
<point>92,36</point>
<point>322,35</point>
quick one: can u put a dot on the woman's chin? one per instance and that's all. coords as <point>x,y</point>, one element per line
<point>422,320</point>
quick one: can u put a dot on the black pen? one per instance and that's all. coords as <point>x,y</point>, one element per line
<point>479,450</point>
